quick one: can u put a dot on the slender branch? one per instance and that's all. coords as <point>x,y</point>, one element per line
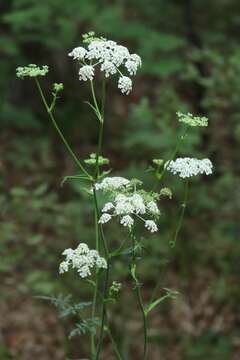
<point>94,302</point>
<point>139,297</point>
<point>183,208</point>
<point>140,302</point>
<point>104,242</point>
<point>98,112</point>
<point>182,137</point>
<point>78,163</point>
<point>99,228</point>
<point>104,311</point>
<point>118,355</point>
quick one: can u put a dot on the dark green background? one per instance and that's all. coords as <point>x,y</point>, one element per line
<point>191,62</point>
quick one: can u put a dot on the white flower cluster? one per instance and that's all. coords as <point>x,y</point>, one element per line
<point>83,259</point>
<point>110,56</point>
<point>128,206</point>
<point>191,120</point>
<point>86,73</point>
<point>187,167</point>
<point>112,183</point>
<point>32,70</point>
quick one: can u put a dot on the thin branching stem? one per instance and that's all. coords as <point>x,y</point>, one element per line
<point>137,286</point>
<point>49,111</point>
<point>182,212</point>
<point>179,143</point>
<point>104,310</point>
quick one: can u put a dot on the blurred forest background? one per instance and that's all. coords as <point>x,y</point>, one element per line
<point>191,62</point>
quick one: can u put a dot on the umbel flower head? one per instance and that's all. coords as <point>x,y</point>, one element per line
<point>128,204</point>
<point>187,167</point>
<point>32,70</point>
<point>112,183</point>
<point>83,259</point>
<point>110,57</point>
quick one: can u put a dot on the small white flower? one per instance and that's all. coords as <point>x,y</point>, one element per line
<point>108,206</point>
<point>120,198</point>
<point>104,218</point>
<point>112,183</point>
<point>86,72</point>
<point>153,208</point>
<point>127,221</point>
<point>151,225</point>
<point>138,204</point>
<point>84,271</point>
<point>125,84</point>
<point>133,63</point>
<point>63,267</point>
<point>101,263</point>
<point>120,54</point>
<point>187,167</point>
<point>82,249</point>
<point>124,207</point>
<point>109,68</point>
<point>68,253</point>
<point>78,53</point>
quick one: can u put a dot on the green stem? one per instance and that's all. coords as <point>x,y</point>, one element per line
<point>139,297</point>
<point>98,112</point>
<point>118,355</point>
<point>182,137</point>
<point>140,302</point>
<point>49,111</point>
<point>99,228</point>
<point>100,140</point>
<point>94,301</point>
<point>104,311</point>
<point>183,208</point>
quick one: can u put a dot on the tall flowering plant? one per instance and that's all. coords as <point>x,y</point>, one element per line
<point>128,203</point>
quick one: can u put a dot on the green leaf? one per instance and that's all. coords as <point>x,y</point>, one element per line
<point>74,177</point>
<point>155,303</point>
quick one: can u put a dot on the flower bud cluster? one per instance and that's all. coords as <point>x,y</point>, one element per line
<point>32,70</point>
<point>191,120</point>
<point>93,159</point>
<point>115,288</point>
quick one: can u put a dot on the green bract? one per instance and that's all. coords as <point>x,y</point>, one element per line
<point>191,120</point>
<point>32,70</point>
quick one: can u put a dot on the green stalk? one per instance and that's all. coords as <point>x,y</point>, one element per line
<point>117,353</point>
<point>182,137</point>
<point>97,215</point>
<point>104,311</point>
<point>94,301</point>
<point>49,111</point>
<point>144,317</point>
<point>139,298</point>
<point>183,208</point>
